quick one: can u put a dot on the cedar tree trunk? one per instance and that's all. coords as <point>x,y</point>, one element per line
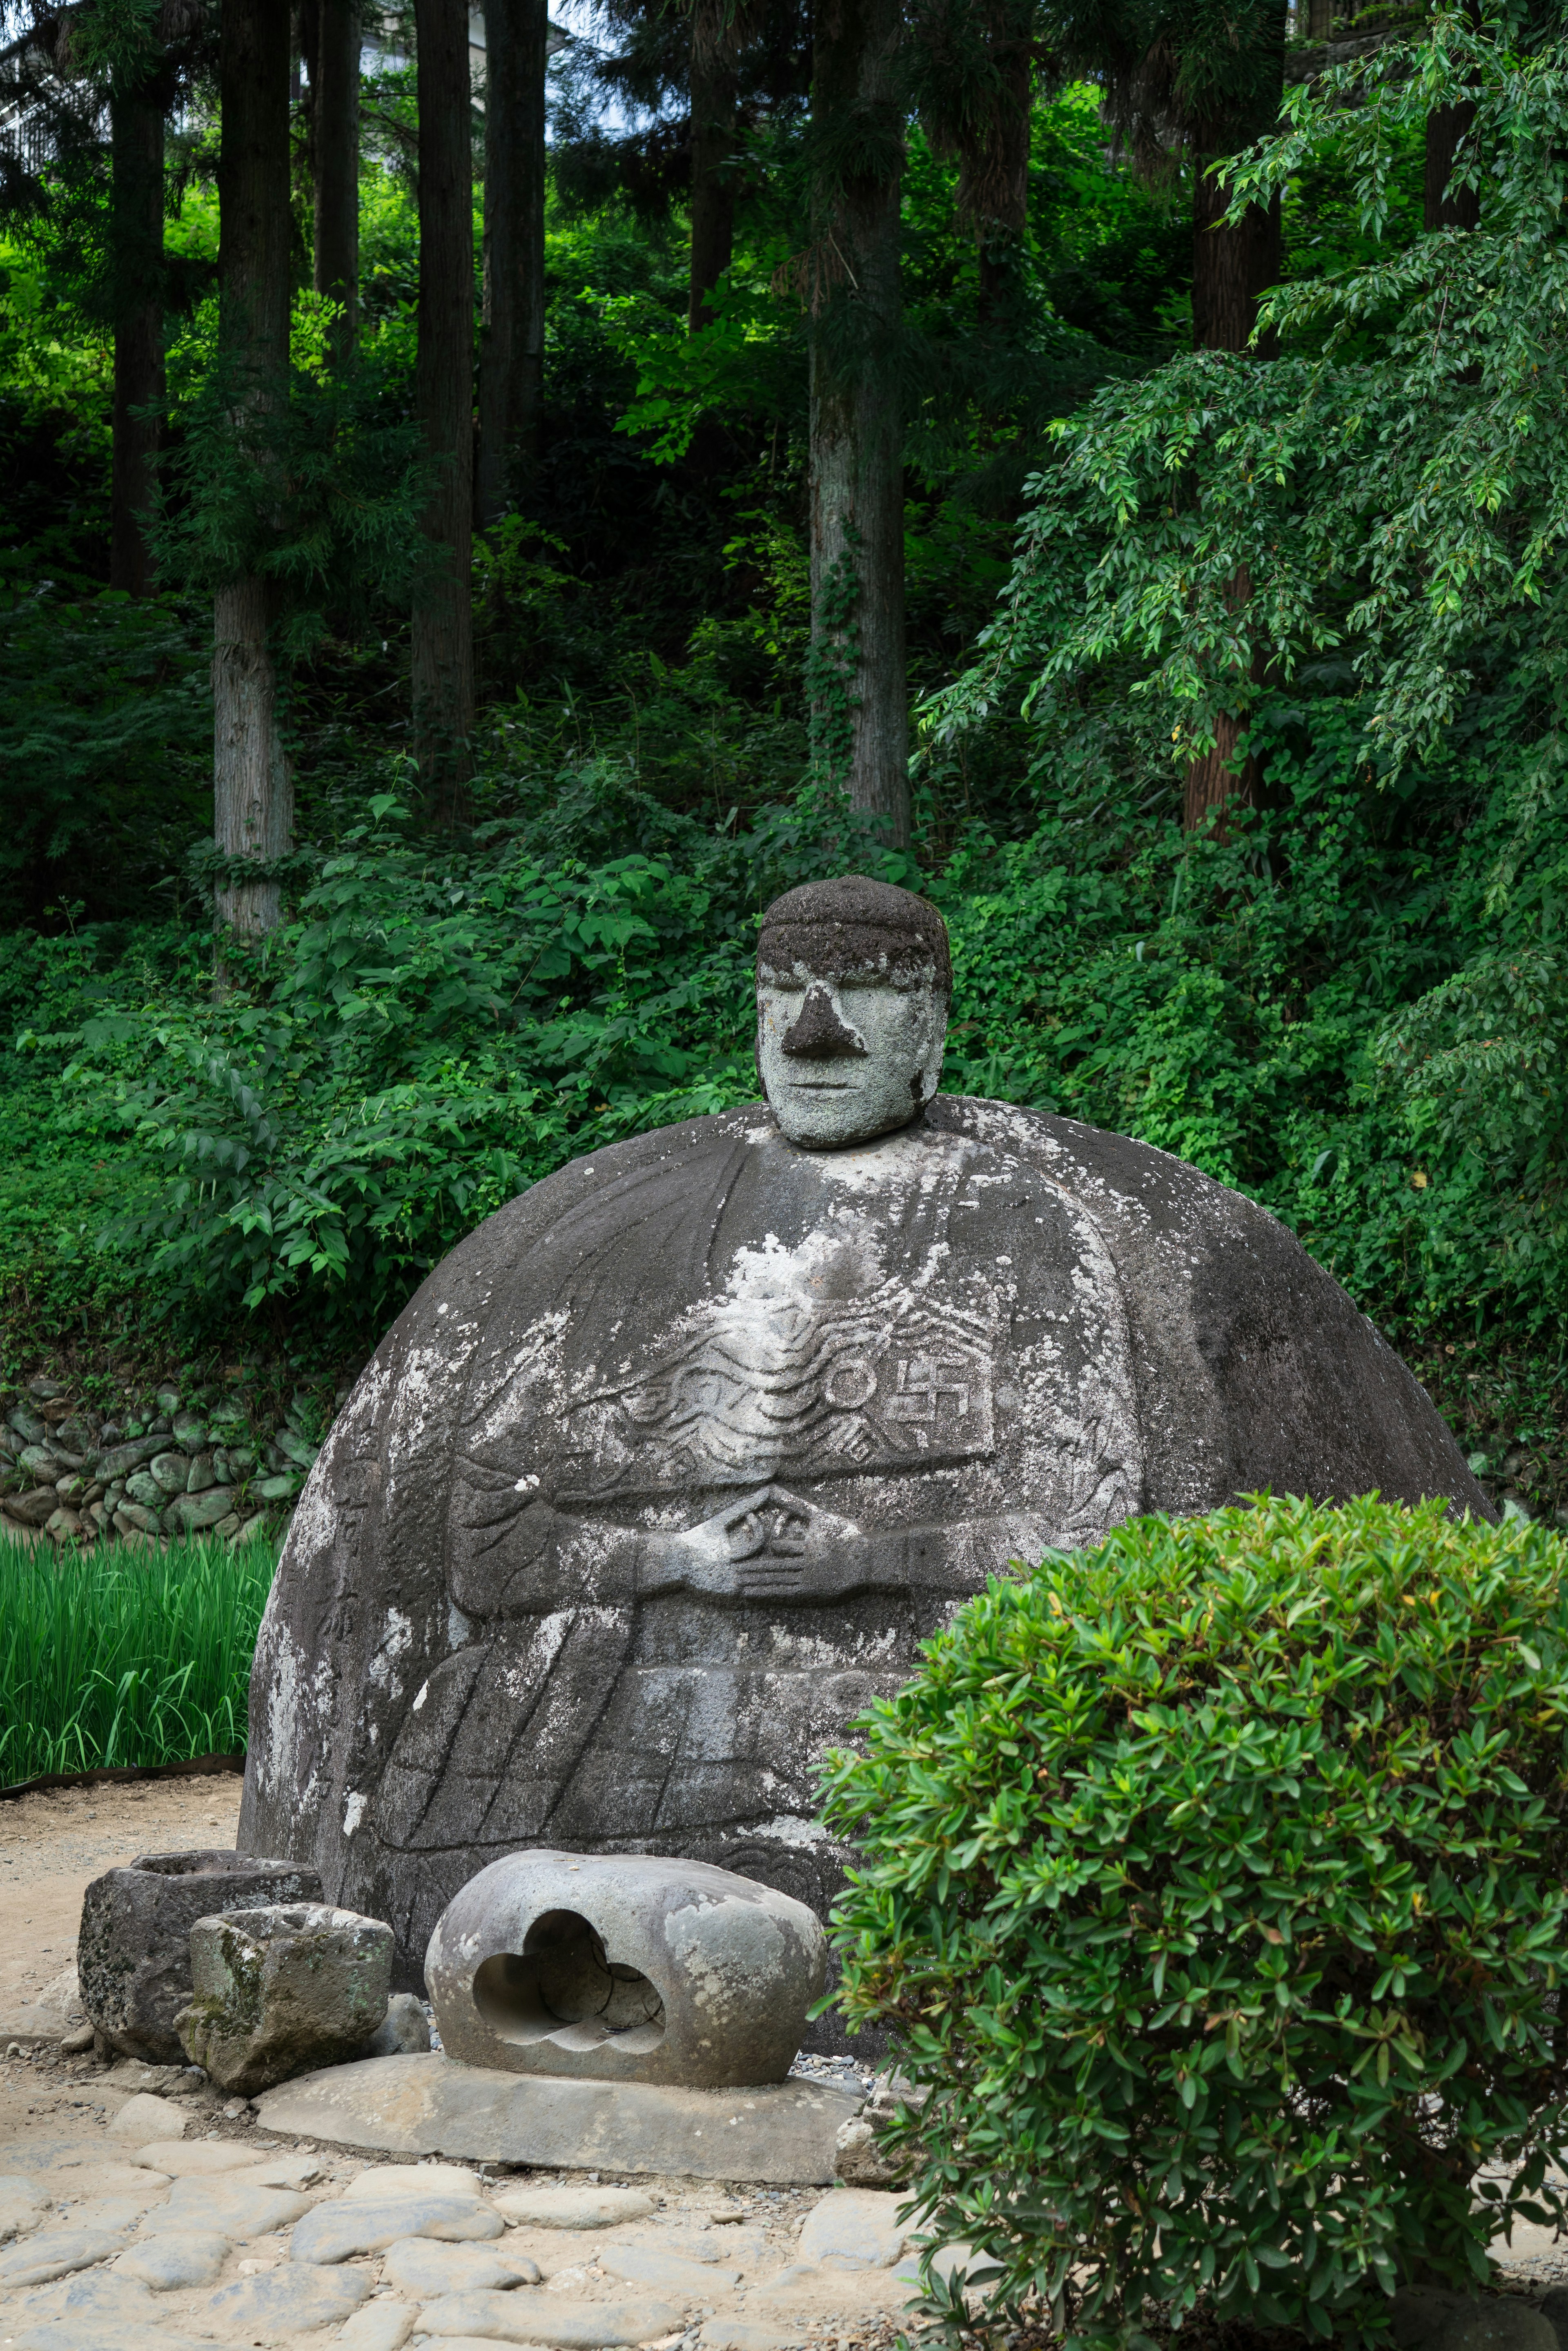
<point>253,799</point>
<point>993,163</point>
<point>511,359</point>
<point>1232,268</point>
<point>714,92</point>
<point>442,665</point>
<point>860,709</point>
<point>136,138</point>
<point>1442,207</point>
<point>335,154</point>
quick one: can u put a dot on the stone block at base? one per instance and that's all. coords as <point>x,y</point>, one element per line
<point>779,2134</point>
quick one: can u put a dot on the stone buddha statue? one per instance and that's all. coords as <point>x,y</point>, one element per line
<point>670,1466</point>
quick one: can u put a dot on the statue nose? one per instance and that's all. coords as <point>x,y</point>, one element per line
<point>818,1035</point>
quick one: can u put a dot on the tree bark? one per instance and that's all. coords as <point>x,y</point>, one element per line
<point>335,156</point>
<point>859,709</point>
<point>252,792</point>
<point>1442,206</point>
<point>1231,268</point>
<point>715,90</point>
<point>443,666</point>
<point>511,357</point>
<point>136,138</point>
<point>993,164</point>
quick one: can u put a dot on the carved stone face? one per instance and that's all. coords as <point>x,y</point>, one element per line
<point>844,1057</point>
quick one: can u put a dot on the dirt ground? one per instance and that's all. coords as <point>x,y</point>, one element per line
<point>53,1844</point>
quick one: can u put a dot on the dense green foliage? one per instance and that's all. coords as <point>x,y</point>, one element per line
<point>122,1657</point>
<point>1215,1882</point>
<point>1350,1003</point>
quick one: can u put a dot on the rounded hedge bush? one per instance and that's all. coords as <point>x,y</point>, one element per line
<point>1214,1880</point>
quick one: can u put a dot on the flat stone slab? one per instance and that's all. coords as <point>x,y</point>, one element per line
<point>379,2326</point>
<point>423,2268</point>
<point>571,2207</point>
<point>336,2232</point>
<point>230,2205</point>
<point>183,2257</point>
<point>858,2229</point>
<point>650,2265</point>
<point>288,2301</point>
<point>37,2261</point>
<point>526,2317</point>
<point>781,2134</point>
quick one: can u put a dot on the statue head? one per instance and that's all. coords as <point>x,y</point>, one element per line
<point>854,981</point>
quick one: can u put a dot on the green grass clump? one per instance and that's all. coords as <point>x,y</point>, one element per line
<point>122,1657</point>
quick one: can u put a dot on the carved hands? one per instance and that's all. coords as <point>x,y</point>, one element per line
<point>768,1545</point>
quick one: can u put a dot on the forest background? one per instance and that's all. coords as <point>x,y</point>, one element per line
<point>1104,467</point>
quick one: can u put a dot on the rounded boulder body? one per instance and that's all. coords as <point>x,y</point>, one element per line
<point>668,1470</point>
<point>133,1950</point>
<point>624,1968</point>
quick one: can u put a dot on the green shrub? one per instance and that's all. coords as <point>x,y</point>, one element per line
<point>118,1656</point>
<point>1215,1880</point>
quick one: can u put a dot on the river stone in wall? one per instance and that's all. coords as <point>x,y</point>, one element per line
<point>669,1469</point>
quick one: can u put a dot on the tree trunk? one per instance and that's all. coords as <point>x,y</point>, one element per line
<point>335,155</point>
<point>443,664</point>
<point>136,136</point>
<point>1231,268</point>
<point>859,709</point>
<point>253,789</point>
<point>252,795</point>
<point>1443,207</point>
<point>993,164</point>
<point>714,92</point>
<point>511,359</point>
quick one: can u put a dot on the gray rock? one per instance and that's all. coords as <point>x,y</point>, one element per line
<point>133,1950</point>
<point>134,1518</point>
<point>229,2206</point>
<point>28,1425</point>
<point>668,1470</point>
<point>143,1487</point>
<point>190,1433</point>
<point>34,1509</point>
<point>780,2133</point>
<point>177,2257</point>
<point>379,2326</point>
<point>123,1460</point>
<point>403,2032</point>
<point>104,2311</point>
<point>625,1967</point>
<point>336,2232</point>
<point>283,2302</point>
<point>196,1511</point>
<point>54,2253</point>
<point>860,2160</point>
<point>1419,2314</point>
<point>279,1489</point>
<point>571,2207</point>
<point>170,1472</point>
<point>202,1474</point>
<point>1507,2324</point>
<point>852,2229</point>
<point>667,2272</point>
<point>23,2209</point>
<point>744,2335</point>
<point>424,2267</point>
<point>539,2318</point>
<point>281,1990</point>
<point>41,1462</point>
